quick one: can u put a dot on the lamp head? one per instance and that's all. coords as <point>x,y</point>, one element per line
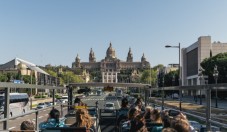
<point>168,46</point>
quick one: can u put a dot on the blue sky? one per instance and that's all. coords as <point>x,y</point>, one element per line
<point>54,31</point>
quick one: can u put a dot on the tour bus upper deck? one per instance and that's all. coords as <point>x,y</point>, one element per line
<point>202,87</point>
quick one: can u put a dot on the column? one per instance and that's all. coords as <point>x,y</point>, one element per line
<point>111,77</point>
<point>107,76</point>
<point>103,77</point>
<point>116,77</point>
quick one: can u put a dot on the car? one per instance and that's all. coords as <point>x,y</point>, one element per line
<point>41,106</point>
<point>48,104</point>
<point>109,107</point>
<point>64,99</point>
<point>175,96</point>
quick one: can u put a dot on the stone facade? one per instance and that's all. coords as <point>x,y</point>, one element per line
<point>111,65</point>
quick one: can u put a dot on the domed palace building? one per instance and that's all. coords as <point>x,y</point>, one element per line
<point>111,69</point>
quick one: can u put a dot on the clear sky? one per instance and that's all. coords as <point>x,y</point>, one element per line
<point>54,32</point>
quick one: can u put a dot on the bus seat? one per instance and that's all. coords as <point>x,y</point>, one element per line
<point>70,120</point>
<point>67,129</point>
<point>22,131</point>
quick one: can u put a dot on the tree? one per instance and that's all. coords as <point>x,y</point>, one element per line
<point>171,78</point>
<point>149,76</point>
<point>3,78</point>
<point>208,65</point>
<point>159,66</point>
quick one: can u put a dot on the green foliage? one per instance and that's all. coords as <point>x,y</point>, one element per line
<point>149,76</point>
<point>40,96</point>
<point>11,76</point>
<point>208,65</point>
<point>51,72</point>
<point>57,96</point>
<point>27,79</point>
<point>3,78</point>
<point>171,78</point>
<point>70,77</point>
<point>124,76</point>
<point>96,76</point>
<point>159,66</point>
<point>65,77</point>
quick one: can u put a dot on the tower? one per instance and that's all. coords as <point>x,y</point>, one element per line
<point>77,61</point>
<point>143,59</point>
<point>129,57</point>
<point>92,56</point>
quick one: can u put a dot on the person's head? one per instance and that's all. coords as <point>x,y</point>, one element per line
<point>155,116</point>
<point>133,112</point>
<point>27,125</point>
<point>148,109</point>
<point>124,102</point>
<point>139,103</point>
<point>180,125</point>
<point>165,119</point>
<point>83,118</point>
<point>77,100</point>
<point>168,129</point>
<point>55,114</point>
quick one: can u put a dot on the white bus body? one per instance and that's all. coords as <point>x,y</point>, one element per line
<point>19,103</point>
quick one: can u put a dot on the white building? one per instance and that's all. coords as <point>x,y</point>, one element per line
<point>192,56</point>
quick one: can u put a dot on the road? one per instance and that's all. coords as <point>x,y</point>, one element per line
<point>89,100</point>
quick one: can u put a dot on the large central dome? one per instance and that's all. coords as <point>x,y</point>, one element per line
<point>110,53</point>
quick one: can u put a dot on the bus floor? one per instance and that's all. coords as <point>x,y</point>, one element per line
<point>107,124</point>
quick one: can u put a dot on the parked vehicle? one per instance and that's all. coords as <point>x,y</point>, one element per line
<point>175,96</point>
<point>64,99</point>
<point>48,104</point>
<point>41,106</point>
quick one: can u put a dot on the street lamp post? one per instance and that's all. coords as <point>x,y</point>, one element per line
<point>200,80</point>
<point>168,46</point>
<point>215,74</point>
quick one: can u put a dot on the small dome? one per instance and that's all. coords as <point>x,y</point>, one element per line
<point>110,53</point>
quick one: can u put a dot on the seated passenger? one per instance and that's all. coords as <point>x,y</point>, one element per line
<point>138,104</point>
<point>138,124</point>
<point>148,111</point>
<point>181,123</point>
<point>165,119</point>
<point>156,120</point>
<point>52,120</point>
<point>27,125</point>
<point>83,119</point>
<point>122,112</point>
<point>78,102</point>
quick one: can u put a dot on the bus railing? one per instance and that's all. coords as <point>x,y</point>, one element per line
<point>6,86</point>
